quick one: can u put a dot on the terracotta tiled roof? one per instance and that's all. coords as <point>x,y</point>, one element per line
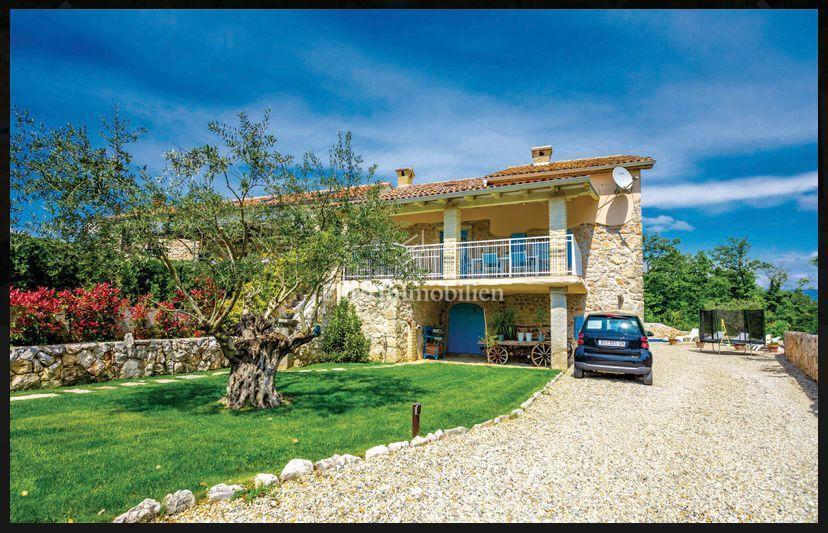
<point>445,187</point>
<point>573,164</point>
<point>562,168</point>
<point>355,192</point>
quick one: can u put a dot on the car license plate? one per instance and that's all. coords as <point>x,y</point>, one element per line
<point>612,344</point>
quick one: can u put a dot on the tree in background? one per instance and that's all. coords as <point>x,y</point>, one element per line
<point>270,260</point>
<point>733,262</point>
<point>677,285</point>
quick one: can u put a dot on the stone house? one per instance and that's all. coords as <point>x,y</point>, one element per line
<point>552,235</point>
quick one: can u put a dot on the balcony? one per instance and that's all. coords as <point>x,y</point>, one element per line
<point>500,258</point>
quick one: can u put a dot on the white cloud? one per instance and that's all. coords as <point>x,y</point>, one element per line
<point>663,223</point>
<point>808,202</point>
<point>729,194</point>
<point>796,263</point>
<point>402,115</point>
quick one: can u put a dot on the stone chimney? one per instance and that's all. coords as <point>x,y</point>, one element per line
<point>541,155</point>
<point>405,177</point>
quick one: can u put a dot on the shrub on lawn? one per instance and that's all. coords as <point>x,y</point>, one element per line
<point>343,340</point>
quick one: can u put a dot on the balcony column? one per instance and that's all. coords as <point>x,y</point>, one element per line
<point>558,327</point>
<point>451,236</point>
<point>557,235</point>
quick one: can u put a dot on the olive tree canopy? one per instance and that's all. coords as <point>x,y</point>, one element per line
<point>272,232</point>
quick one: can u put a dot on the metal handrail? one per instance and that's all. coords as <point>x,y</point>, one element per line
<point>494,258</point>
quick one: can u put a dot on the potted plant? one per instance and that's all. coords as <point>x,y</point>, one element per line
<point>540,320</point>
<point>508,327</point>
<point>528,336</point>
<point>496,325</point>
<point>521,334</point>
<point>489,341</point>
<point>503,324</point>
<point>773,346</point>
<point>672,339</point>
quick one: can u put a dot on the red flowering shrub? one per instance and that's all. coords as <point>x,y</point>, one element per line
<point>140,316</point>
<point>80,315</point>
<point>93,314</point>
<point>35,317</point>
<point>172,323</point>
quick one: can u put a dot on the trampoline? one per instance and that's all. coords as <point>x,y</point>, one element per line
<point>744,328</point>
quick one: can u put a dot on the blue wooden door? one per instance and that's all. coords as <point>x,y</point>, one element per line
<point>466,327</point>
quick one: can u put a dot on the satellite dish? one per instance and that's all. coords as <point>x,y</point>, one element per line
<point>622,178</point>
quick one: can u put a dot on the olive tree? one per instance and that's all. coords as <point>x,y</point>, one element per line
<point>274,233</point>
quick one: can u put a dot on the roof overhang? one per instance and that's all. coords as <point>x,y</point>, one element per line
<point>634,165</point>
<point>534,191</point>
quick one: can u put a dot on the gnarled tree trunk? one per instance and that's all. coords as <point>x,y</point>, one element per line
<point>254,357</point>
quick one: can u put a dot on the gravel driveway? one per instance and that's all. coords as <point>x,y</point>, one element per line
<point>716,438</point>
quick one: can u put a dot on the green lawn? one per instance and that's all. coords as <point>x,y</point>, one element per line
<point>76,454</point>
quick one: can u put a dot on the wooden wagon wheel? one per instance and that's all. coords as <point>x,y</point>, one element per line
<point>497,355</point>
<point>541,354</point>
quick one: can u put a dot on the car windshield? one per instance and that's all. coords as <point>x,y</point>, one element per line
<point>611,324</point>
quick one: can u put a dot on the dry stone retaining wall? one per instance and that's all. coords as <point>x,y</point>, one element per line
<point>57,365</point>
<point>802,350</point>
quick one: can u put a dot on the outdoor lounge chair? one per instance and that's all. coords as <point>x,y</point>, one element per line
<point>489,263</point>
<point>693,335</point>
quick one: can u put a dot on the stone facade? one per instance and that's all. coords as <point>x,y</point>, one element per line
<point>478,230</point>
<point>613,269</point>
<point>182,249</point>
<point>524,306</point>
<point>613,266</point>
<point>802,349</point>
<point>389,320</point>
<point>70,364</point>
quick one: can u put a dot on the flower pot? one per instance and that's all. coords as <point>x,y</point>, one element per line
<point>500,337</point>
<point>521,336</point>
<point>672,341</point>
<point>541,337</point>
<point>528,336</point>
<point>699,344</point>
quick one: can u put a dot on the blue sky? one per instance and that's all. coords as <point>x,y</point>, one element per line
<point>725,101</point>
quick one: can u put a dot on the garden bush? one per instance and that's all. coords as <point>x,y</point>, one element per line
<point>101,313</point>
<point>93,314</point>
<point>35,317</point>
<point>46,262</point>
<point>342,340</point>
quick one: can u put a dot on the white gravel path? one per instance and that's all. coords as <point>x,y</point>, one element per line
<point>718,437</point>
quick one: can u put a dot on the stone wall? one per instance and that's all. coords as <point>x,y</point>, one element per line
<point>802,349</point>
<point>70,364</point>
<point>478,230</point>
<point>524,306</point>
<point>390,320</point>
<point>613,266</point>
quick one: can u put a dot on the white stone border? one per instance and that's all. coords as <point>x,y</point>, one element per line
<point>298,468</point>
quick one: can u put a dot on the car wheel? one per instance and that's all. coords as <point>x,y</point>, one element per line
<point>647,378</point>
<point>577,372</point>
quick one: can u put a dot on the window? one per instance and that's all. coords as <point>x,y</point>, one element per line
<point>611,324</point>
